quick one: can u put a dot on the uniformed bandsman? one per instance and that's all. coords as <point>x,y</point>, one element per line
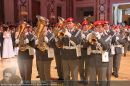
<point>126,44</point>
<point>25,54</point>
<point>83,71</point>
<point>117,42</point>
<point>109,32</point>
<point>70,53</point>
<point>44,50</point>
<point>128,38</point>
<point>58,48</point>
<point>97,51</point>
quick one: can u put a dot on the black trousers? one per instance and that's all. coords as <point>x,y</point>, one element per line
<point>58,62</point>
<point>83,69</point>
<point>70,67</point>
<point>109,70</point>
<point>97,72</point>
<point>44,71</point>
<point>116,63</point>
<point>1,50</point>
<point>25,62</point>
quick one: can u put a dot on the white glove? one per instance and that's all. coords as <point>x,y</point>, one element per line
<point>67,34</point>
<point>56,39</point>
<point>83,36</point>
<point>46,39</point>
<point>128,38</point>
<point>36,42</point>
<point>98,35</point>
<point>117,38</point>
<point>26,33</point>
<point>26,41</point>
<point>17,41</point>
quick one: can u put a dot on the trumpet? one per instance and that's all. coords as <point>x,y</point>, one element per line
<point>92,39</point>
<point>99,47</point>
<point>61,34</point>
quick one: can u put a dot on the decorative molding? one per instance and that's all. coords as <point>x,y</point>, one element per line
<point>102,6</point>
<point>79,0</point>
<point>102,1</point>
<point>23,9</point>
<point>51,9</point>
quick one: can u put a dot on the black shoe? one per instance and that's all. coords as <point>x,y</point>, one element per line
<point>115,75</point>
<point>125,55</point>
<point>60,79</point>
<point>55,67</point>
<point>83,82</point>
<point>38,76</point>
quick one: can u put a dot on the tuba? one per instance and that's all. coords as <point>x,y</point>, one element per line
<point>22,37</point>
<point>40,32</point>
<point>59,31</point>
<point>58,26</point>
<point>21,28</point>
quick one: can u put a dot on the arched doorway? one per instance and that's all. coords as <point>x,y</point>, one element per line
<point>1,11</point>
<point>35,10</point>
<point>121,13</point>
<point>16,15</point>
<point>85,12</point>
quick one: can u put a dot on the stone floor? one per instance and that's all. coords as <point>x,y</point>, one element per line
<point>124,73</point>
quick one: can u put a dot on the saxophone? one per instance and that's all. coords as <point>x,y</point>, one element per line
<point>40,33</point>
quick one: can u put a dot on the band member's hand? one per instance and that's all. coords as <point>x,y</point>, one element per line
<point>26,33</point>
<point>83,36</point>
<point>56,39</point>
<point>68,34</point>
<point>117,38</point>
<point>128,38</point>
<point>36,42</point>
<point>46,39</point>
<point>98,35</point>
<point>17,41</point>
<point>26,41</point>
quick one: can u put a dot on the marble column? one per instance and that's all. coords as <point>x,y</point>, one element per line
<point>119,15</point>
<point>115,14</point>
<point>9,11</point>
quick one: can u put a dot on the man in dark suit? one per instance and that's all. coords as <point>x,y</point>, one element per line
<point>1,40</point>
<point>12,28</point>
